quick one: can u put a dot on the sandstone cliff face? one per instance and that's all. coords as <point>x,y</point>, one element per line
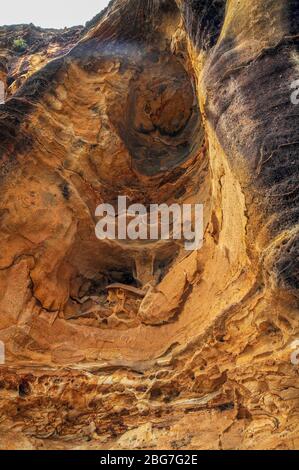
<point>163,101</point>
<point>24,49</point>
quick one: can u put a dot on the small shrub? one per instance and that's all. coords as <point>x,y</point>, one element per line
<point>20,45</point>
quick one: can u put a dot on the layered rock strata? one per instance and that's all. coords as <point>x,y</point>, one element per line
<point>114,344</point>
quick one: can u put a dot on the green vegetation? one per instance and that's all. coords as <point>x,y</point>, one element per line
<point>20,45</point>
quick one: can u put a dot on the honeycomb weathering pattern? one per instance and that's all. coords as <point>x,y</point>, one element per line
<point>163,101</point>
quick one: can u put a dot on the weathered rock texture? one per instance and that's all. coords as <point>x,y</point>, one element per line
<point>162,101</point>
